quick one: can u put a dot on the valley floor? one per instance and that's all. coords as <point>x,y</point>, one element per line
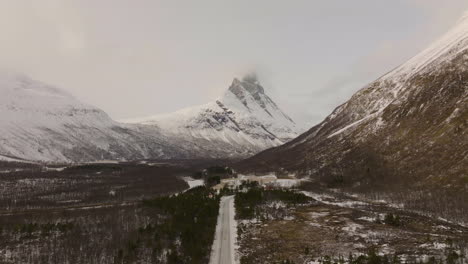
<point>93,213</point>
<point>339,226</point>
<point>85,213</point>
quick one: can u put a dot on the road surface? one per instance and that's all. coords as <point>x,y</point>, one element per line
<point>223,245</point>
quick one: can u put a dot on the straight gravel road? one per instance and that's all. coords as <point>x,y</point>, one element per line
<point>223,246</point>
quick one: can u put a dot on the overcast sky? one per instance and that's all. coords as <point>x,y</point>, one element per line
<point>138,58</point>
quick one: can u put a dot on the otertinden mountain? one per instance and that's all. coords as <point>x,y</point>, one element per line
<point>244,121</point>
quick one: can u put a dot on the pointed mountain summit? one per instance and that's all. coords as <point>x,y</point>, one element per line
<point>252,94</point>
<point>244,121</point>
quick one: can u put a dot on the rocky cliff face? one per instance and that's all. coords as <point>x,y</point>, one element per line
<point>408,126</point>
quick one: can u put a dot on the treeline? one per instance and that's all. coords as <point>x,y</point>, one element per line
<point>222,171</point>
<point>249,203</point>
<point>180,229</point>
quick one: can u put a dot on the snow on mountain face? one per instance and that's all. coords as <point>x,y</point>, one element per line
<point>412,122</point>
<point>255,113</point>
<point>31,111</point>
<point>28,103</point>
<point>391,87</point>
<point>42,123</point>
<point>242,122</point>
<point>447,47</point>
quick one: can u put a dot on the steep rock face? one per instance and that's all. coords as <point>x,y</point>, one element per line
<point>43,123</point>
<point>244,121</point>
<point>408,126</point>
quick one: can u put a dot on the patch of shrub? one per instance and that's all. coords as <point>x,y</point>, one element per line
<point>393,220</point>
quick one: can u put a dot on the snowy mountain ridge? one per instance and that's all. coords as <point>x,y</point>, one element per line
<point>244,120</point>
<point>392,89</point>
<point>39,122</point>
<point>455,39</point>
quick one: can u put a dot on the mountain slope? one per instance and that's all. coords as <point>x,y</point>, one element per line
<point>409,126</point>
<point>41,122</point>
<point>244,121</point>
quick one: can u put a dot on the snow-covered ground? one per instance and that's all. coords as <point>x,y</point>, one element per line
<point>330,200</point>
<point>193,183</point>
<point>339,225</point>
<point>264,180</point>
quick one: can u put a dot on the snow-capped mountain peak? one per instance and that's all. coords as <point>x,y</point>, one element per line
<point>252,95</point>
<point>247,86</point>
<point>243,121</point>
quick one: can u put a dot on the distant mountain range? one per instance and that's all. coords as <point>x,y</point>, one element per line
<point>39,122</point>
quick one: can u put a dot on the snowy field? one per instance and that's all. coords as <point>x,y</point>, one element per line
<point>193,183</point>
